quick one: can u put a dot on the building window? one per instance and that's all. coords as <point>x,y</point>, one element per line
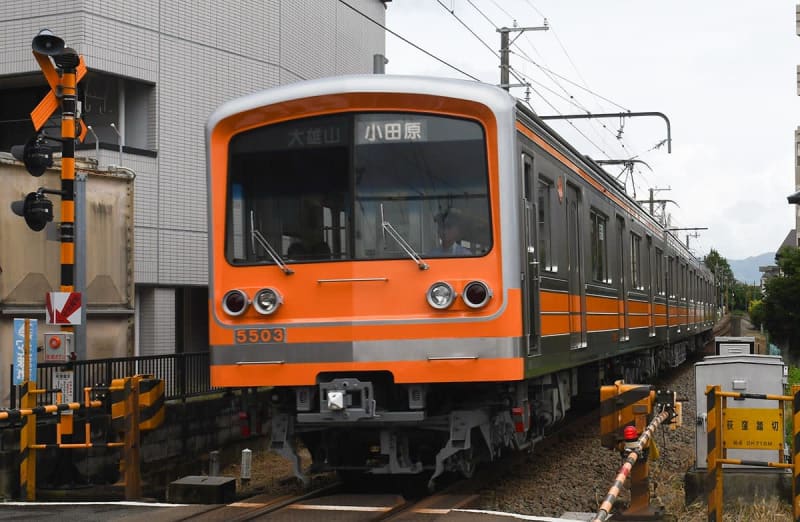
<point>126,103</point>
<point>599,246</point>
<point>636,262</point>
<point>544,221</point>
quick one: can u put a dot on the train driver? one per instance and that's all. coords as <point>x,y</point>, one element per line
<point>451,224</point>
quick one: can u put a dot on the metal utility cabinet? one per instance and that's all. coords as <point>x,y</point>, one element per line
<point>734,346</point>
<point>745,373</point>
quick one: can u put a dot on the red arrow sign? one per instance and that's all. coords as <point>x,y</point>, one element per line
<point>71,305</point>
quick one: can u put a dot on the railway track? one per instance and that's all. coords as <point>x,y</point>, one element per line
<point>330,503</point>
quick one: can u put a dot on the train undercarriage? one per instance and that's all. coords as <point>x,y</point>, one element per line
<point>365,423</point>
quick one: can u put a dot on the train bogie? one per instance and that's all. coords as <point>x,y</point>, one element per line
<point>426,274</point>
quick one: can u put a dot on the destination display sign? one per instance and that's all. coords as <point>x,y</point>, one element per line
<point>390,128</point>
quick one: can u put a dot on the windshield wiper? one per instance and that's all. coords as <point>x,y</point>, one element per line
<point>408,249</point>
<point>258,237</point>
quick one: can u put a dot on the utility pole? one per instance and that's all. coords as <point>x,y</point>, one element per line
<point>504,51</point>
<point>687,235</point>
<point>662,202</point>
<point>653,190</point>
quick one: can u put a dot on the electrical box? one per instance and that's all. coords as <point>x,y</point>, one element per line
<point>761,374</point>
<point>734,345</point>
<point>57,346</point>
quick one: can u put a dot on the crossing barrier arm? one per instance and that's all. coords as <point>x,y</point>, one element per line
<point>625,470</point>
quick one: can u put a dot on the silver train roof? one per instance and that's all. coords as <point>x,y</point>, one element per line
<point>491,96</point>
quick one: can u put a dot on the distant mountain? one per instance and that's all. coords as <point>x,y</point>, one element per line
<point>746,270</point>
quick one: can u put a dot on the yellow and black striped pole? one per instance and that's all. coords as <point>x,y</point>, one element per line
<point>68,108</point>
<point>714,442</point>
<point>796,452</point>
<point>27,438</point>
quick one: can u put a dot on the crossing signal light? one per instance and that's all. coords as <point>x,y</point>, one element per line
<point>36,156</point>
<point>36,209</point>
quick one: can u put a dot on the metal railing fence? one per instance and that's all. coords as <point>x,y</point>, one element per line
<point>184,374</point>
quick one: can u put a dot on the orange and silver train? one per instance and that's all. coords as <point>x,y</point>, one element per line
<point>426,274</point>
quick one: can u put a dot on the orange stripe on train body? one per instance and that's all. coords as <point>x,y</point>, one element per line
<point>305,374</point>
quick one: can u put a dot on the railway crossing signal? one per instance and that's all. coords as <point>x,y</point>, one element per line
<point>36,156</point>
<point>63,68</point>
<point>36,209</point>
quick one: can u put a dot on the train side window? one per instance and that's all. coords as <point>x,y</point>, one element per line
<point>636,261</point>
<point>647,269</point>
<point>599,244</point>
<point>659,272</point>
<point>544,221</point>
<point>671,280</point>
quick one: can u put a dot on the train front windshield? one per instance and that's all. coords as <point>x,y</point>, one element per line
<point>358,187</point>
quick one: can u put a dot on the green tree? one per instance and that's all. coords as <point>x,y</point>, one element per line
<point>723,276</point>
<point>782,300</point>
<point>756,312</point>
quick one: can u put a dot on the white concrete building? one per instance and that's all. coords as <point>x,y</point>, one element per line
<point>157,69</point>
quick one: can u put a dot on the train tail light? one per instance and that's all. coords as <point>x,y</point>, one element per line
<point>235,302</point>
<point>441,295</point>
<point>476,294</point>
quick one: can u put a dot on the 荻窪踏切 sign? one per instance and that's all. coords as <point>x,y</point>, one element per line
<point>752,428</point>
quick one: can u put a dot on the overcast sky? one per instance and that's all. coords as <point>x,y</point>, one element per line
<point>724,73</point>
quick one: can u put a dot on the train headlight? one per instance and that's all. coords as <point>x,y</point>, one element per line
<point>476,294</point>
<point>267,301</point>
<point>441,295</point>
<point>234,302</point>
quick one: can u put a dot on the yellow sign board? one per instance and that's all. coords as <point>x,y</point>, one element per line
<point>752,428</point>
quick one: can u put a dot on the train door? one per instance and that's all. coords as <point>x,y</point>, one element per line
<point>622,281</point>
<point>532,258</point>
<point>670,296</point>
<point>651,303</point>
<point>577,310</point>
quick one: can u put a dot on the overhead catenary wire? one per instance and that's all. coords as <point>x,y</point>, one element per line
<point>520,77</point>
<point>409,42</point>
<point>570,97</point>
<point>517,75</point>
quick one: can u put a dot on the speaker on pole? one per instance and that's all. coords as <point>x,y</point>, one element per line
<point>47,43</point>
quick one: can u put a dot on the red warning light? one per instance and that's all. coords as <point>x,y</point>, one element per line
<point>55,342</point>
<point>630,433</point>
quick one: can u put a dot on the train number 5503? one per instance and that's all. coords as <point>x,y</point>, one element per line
<point>260,335</point>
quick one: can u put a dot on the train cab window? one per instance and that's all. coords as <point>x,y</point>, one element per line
<point>420,180</point>
<point>599,246</point>
<point>544,222</point>
<point>358,186</point>
<point>636,261</point>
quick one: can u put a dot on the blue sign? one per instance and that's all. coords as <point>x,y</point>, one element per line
<point>20,349</point>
